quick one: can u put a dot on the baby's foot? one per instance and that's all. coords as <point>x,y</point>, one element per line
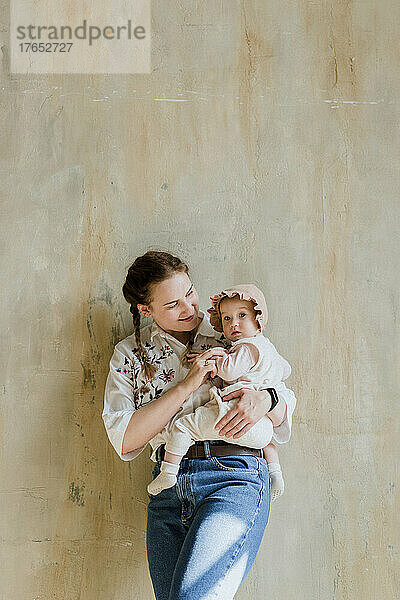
<point>161,482</point>
<point>277,483</point>
<point>166,478</point>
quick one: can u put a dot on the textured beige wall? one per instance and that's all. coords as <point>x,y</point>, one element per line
<point>263,147</point>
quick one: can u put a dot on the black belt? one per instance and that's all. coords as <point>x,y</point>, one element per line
<point>217,448</point>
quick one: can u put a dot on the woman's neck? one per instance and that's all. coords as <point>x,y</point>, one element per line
<point>182,336</point>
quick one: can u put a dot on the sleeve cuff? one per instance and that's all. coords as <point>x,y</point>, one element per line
<point>282,432</point>
<point>116,436</point>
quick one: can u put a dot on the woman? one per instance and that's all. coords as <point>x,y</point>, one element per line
<point>203,534</point>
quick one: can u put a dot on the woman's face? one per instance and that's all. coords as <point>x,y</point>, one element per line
<point>174,305</point>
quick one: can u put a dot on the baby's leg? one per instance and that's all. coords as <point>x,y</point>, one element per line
<point>177,445</point>
<point>184,431</point>
<point>277,484</point>
<point>200,425</point>
<point>258,436</point>
<point>271,453</point>
<point>167,476</point>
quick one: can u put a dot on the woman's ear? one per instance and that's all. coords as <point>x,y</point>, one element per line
<point>144,310</point>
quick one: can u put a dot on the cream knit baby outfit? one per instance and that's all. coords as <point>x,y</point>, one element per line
<point>269,369</point>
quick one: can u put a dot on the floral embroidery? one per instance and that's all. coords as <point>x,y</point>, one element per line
<point>225,342</point>
<point>148,347</point>
<point>130,370</point>
<point>152,356</point>
<point>159,356</point>
<point>146,394</point>
<point>137,399</point>
<point>154,393</point>
<point>167,375</point>
<point>205,347</point>
<point>166,351</point>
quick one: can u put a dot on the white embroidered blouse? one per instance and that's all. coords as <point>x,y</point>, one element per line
<point>126,390</point>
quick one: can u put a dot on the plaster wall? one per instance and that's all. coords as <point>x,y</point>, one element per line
<point>263,147</point>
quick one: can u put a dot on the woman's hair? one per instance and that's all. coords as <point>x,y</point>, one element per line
<point>147,270</point>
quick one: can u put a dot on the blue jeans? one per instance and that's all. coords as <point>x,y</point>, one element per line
<point>203,534</point>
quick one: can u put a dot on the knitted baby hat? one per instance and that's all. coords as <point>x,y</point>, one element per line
<point>244,292</point>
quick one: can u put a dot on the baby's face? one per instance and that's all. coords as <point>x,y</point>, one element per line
<point>238,318</point>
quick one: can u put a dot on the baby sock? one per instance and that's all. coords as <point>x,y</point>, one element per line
<point>277,483</point>
<point>165,479</point>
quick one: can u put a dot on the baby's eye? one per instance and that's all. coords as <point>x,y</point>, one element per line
<point>226,318</point>
<point>242,315</point>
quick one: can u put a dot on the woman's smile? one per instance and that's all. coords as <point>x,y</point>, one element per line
<point>188,318</point>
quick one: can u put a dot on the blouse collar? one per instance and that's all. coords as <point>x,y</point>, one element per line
<point>205,329</point>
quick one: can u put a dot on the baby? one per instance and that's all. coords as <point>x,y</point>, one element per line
<point>251,362</point>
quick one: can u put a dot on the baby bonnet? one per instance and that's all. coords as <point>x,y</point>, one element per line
<point>244,292</point>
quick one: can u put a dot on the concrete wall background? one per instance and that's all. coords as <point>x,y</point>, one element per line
<point>263,147</point>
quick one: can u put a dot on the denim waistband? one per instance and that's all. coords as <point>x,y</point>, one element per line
<point>162,446</point>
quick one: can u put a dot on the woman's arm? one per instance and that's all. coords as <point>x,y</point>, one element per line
<point>130,428</point>
<point>278,414</point>
<point>287,400</point>
<point>150,419</point>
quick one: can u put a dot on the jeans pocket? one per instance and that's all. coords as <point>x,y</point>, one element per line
<point>239,463</point>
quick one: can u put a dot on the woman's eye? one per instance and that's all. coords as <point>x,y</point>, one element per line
<point>174,305</point>
<point>190,292</point>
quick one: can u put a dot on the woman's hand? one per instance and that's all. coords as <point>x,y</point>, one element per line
<point>192,355</point>
<point>211,354</point>
<point>250,408</point>
<point>207,354</point>
<point>198,373</point>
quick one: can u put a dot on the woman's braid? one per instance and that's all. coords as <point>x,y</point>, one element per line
<point>148,368</point>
